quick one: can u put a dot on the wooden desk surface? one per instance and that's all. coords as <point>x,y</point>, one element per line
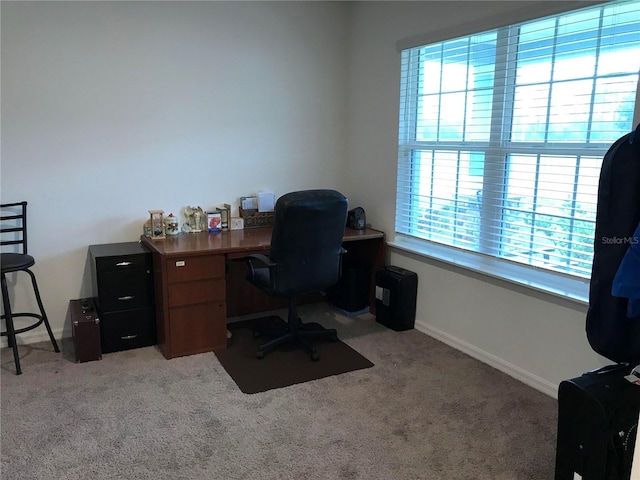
<point>200,281</point>
<point>233,241</point>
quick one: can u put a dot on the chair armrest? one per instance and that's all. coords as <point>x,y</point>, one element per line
<point>266,261</point>
<point>263,258</point>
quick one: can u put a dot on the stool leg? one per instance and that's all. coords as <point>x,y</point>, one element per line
<point>11,333</point>
<point>42,312</point>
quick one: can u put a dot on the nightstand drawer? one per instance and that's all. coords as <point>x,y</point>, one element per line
<point>195,268</point>
<point>125,290</point>
<point>126,330</point>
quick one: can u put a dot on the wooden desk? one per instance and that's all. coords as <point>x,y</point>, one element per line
<point>199,281</point>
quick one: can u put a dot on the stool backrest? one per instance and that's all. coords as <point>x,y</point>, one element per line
<point>13,225</point>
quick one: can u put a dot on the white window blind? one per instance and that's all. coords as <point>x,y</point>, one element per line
<point>502,134</point>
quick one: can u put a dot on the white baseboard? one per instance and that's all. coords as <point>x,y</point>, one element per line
<point>514,371</point>
<point>544,386</point>
<point>36,335</point>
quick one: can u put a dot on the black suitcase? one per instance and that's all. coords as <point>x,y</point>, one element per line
<point>85,327</point>
<point>597,425</point>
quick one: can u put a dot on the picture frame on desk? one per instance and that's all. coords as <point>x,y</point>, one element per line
<point>214,221</point>
<point>225,215</point>
<point>236,223</point>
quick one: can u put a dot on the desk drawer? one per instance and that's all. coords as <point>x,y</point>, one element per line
<point>195,268</point>
<point>198,328</point>
<point>203,291</point>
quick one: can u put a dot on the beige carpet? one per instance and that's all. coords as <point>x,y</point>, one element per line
<point>424,411</point>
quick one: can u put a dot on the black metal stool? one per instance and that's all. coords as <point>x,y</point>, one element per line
<point>13,230</point>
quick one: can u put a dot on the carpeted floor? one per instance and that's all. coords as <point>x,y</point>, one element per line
<point>423,411</point>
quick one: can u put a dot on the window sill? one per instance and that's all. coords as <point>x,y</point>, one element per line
<point>537,279</point>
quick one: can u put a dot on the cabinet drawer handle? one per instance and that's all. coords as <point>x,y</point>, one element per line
<point>123,264</point>
<point>128,297</point>
<point>128,337</point>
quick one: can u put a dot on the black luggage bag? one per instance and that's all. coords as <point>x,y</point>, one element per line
<point>597,425</point>
<point>85,327</point>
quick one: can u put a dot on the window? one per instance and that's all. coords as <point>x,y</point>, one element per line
<point>502,135</point>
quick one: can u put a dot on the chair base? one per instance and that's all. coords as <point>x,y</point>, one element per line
<point>9,316</point>
<point>295,332</point>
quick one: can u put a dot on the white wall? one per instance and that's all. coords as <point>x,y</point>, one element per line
<point>537,338</point>
<point>110,109</point>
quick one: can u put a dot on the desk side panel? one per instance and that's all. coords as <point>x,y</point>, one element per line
<point>370,251</point>
<point>162,304</point>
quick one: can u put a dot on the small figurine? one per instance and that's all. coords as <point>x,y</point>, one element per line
<point>195,219</point>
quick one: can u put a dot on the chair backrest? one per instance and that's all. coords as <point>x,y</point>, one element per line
<point>306,243</point>
<point>13,225</point>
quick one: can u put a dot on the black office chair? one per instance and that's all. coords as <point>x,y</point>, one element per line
<point>13,231</point>
<point>305,256</point>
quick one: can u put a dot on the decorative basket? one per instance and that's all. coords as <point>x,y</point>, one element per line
<point>255,219</point>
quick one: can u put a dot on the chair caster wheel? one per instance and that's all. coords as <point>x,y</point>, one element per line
<point>260,355</point>
<point>314,356</point>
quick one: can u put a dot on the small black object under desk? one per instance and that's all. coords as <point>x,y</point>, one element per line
<point>122,277</point>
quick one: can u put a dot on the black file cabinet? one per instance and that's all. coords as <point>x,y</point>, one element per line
<point>122,275</point>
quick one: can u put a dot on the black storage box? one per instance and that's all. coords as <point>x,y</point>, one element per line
<point>597,425</point>
<point>396,291</point>
<point>85,329</point>
<point>351,293</point>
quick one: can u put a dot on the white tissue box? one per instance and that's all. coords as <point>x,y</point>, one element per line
<point>266,201</point>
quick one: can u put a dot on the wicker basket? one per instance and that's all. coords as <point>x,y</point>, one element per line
<point>255,219</point>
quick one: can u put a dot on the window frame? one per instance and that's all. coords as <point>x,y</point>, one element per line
<point>557,283</point>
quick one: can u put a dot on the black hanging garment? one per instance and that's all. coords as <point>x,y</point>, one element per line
<point>613,322</point>
<point>598,411</point>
